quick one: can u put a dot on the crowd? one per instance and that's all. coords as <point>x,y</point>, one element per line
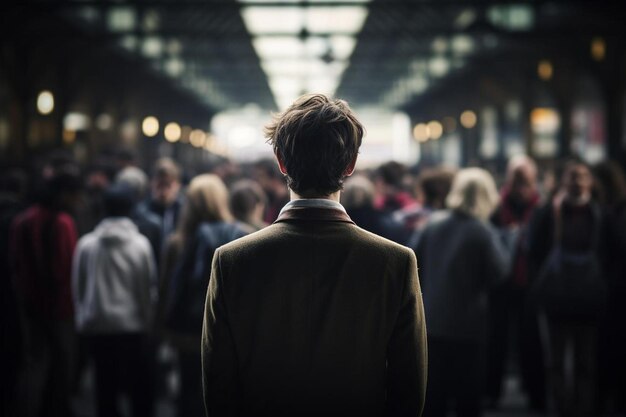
<point>107,266</point>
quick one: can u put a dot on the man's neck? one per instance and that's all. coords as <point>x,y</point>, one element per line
<point>333,197</point>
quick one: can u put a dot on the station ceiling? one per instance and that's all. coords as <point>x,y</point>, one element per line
<point>388,53</point>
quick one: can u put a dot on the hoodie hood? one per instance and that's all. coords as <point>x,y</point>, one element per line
<point>115,230</point>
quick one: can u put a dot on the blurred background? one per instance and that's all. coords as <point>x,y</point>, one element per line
<point>174,89</point>
<point>456,81</point>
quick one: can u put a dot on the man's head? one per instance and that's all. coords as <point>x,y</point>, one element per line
<point>316,141</point>
<point>118,200</point>
<point>521,178</point>
<point>577,181</point>
<point>165,181</point>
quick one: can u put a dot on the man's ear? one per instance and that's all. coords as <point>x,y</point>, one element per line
<point>281,165</point>
<point>350,169</point>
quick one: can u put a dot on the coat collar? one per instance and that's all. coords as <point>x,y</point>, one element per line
<point>313,214</point>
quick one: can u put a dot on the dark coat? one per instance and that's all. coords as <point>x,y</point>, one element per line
<point>314,316</point>
<point>461,258</point>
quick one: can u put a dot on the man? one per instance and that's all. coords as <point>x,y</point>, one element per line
<point>267,174</point>
<point>313,315</point>
<point>508,307</point>
<point>114,283</point>
<point>43,238</point>
<point>166,199</point>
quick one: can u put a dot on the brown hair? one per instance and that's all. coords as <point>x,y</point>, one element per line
<point>316,139</point>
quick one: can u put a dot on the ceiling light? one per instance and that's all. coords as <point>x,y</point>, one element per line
<point>120,19</point>
<point>45,102</point>
<point>468,119</point>
<point>76,121</point>
<point>152,47</point>
<point>150,126</point>
<point>348,19</point>
<point>259,20</point>
<point>462,44</point>
<point>438,66</point>
<point>172,132</point>
<point>435,130</point>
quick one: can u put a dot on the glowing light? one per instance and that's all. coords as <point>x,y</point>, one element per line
<point>544,120</point>
<point>545,70</point>
<point>45,102</point>
<point>104,121</point>
<point>598,49</point>
<point>468,119</point>
<point>150,126</point>
<point>172,132</point>
<point>435,129</point>
<point>421,132</point>
<point>197,138</point>
<point>76,121</point>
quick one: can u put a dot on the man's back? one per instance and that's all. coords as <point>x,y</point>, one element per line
<point>314,316</point>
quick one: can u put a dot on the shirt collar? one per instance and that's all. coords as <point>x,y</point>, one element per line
<point>314,203</point>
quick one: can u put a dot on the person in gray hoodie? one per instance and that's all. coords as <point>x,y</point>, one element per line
<point>114,286</point>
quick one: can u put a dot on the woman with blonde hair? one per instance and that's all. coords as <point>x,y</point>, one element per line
<point>460,257</point>
<point>205,224</point>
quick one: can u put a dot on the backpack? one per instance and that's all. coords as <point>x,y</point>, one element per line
<point>190,280</point>
<point>570,285</point>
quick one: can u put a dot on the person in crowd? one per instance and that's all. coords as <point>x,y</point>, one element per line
<point>114,286</point>
<point>43,238</point>
<point>166,198</point>
<point>509,315</point>
<point>313,315</point>
<point>358,200</point>
<point>267,174</point>
<point>433,186</point>
<point>147,222</point>
<point>391,194</point>
<point>98,178</point>
<point>611,189</point>
<point>248,203</point>
<point>393,198</point>
<point>566,244</point>
<point>205,224</point>
<point>461,257</point>
<point>12,201</point>
<point>125,157</point>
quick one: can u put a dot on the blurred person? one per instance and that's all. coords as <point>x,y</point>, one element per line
<point>433,186</point>
<point>393,199</point>
<point>611,188</point>
<point>566,247</point>
<point>205,224</point>
<point>509,315</point>
<point>98,178</point>
<point>248,202</point>
<point>391,194</point>
<point>147,222</point>
<point>125,158</point>
<point>43,239</point>
<point>267,174</point>
<point>13,185</point>
<point>58,161</point>
<point>461,258</point>
<point>114,286</point>
<point>358,200</point>
<point>313,315</point>
<point>165,198</point>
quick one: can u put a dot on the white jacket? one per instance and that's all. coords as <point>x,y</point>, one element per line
<point>114,279</point>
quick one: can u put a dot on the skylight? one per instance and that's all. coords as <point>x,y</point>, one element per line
<point>303,48</point>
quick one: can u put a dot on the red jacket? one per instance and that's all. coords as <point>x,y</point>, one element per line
<point>42,247</point>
